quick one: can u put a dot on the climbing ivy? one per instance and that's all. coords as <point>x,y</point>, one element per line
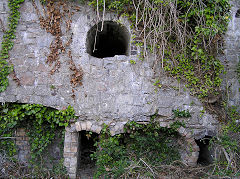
<point>238,71</point>
<point>41,123</point>
<point>185,35</point>
<point>183,113</point>
<point>131,153</point>
<point>227,146</point>
<point>7,42</point>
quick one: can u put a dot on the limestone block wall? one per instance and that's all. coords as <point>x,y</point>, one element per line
<point>23,145</point>
<point>231,56</point>
<point>3,17</point>
<point>188,148</point>
<point>113,89</point>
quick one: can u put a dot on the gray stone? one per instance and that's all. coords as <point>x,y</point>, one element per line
<point>42,90</point>
<point>113,88</point>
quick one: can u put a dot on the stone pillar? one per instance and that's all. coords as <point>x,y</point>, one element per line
<point>23,146</point>
<point>71,152</point>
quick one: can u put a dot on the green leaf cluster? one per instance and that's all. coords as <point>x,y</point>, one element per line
<point>238,71</point>
<point>150,143</point>
<point>205,21</point>
<point>7,42</point>
<point>41,123</point>
<point>181,113</point>
<point>228,145</point>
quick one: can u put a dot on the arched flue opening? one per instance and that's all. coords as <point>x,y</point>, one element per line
<point>112,40</point>
<point>205,157</point>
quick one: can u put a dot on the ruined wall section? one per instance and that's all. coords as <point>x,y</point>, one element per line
<point>231,57</point>
<point>3,17</point>
<point>113,91</point>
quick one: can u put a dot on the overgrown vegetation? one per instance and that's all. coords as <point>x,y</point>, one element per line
<point>138,152</point>
<point>40,121</point>
<point>11,168</point>
<point>43,125</point>
<point>226,147</point>
<point>7,44</point>
<point>150,151</point>
<point>184,35</point>
<point>238,70</point>
<point>181,113</point>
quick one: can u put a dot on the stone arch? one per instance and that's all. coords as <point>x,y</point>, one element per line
<point>113,39</point>
<point>72,144</point>
<point>203,140</point>
<point>205,156</point>
<point>190,153</point>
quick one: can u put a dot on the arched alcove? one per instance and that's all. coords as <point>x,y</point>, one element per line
<point>238,14</point>
<point>205,157</point>
<point>112,40</point>
<point>86,147</point>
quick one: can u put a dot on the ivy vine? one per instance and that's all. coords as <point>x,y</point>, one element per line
<point>131,153</point>
<point>185,35</point>
<point>41,123</point>
<point>7,43</point>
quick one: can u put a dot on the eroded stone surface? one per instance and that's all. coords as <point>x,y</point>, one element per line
<point>113,88</point>
<point>232,57</point>
<point>114,91</point>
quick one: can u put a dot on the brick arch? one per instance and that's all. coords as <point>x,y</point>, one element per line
<point>71,144</point>
<point>191,151</point>
<point>189,157</point>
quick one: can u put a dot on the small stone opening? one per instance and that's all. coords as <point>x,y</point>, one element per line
<point>112,40</point>
<point>86,166</point>
<point>205,156</point>
<point>238,14</point>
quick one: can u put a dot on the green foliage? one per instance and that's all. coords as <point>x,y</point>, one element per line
<point>234,119</point>
<point>43,1</point>
<point>117,155</point>
<point>157,84</point>
<point>40,121</point>
<point>132,61</point>
<point>227,146</point>
<point>238,70</point>
<point>195,61</point>
<point>114,5</point>
<point>183,113</point>
<point>7,42</point>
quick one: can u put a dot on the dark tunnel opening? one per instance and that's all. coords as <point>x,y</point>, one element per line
<point>205,157</point>
<point>112,40</point>
<point>238,14</point>
<point>86,166</point>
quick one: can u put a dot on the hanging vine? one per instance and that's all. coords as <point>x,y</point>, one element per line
<point>184,35</point>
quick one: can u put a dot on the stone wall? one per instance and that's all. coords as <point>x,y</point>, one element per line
<point>231,57</point>
<point>188,149</point>
<point>3,17</point>
<point>114,90</point>
<point>22,144</point>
